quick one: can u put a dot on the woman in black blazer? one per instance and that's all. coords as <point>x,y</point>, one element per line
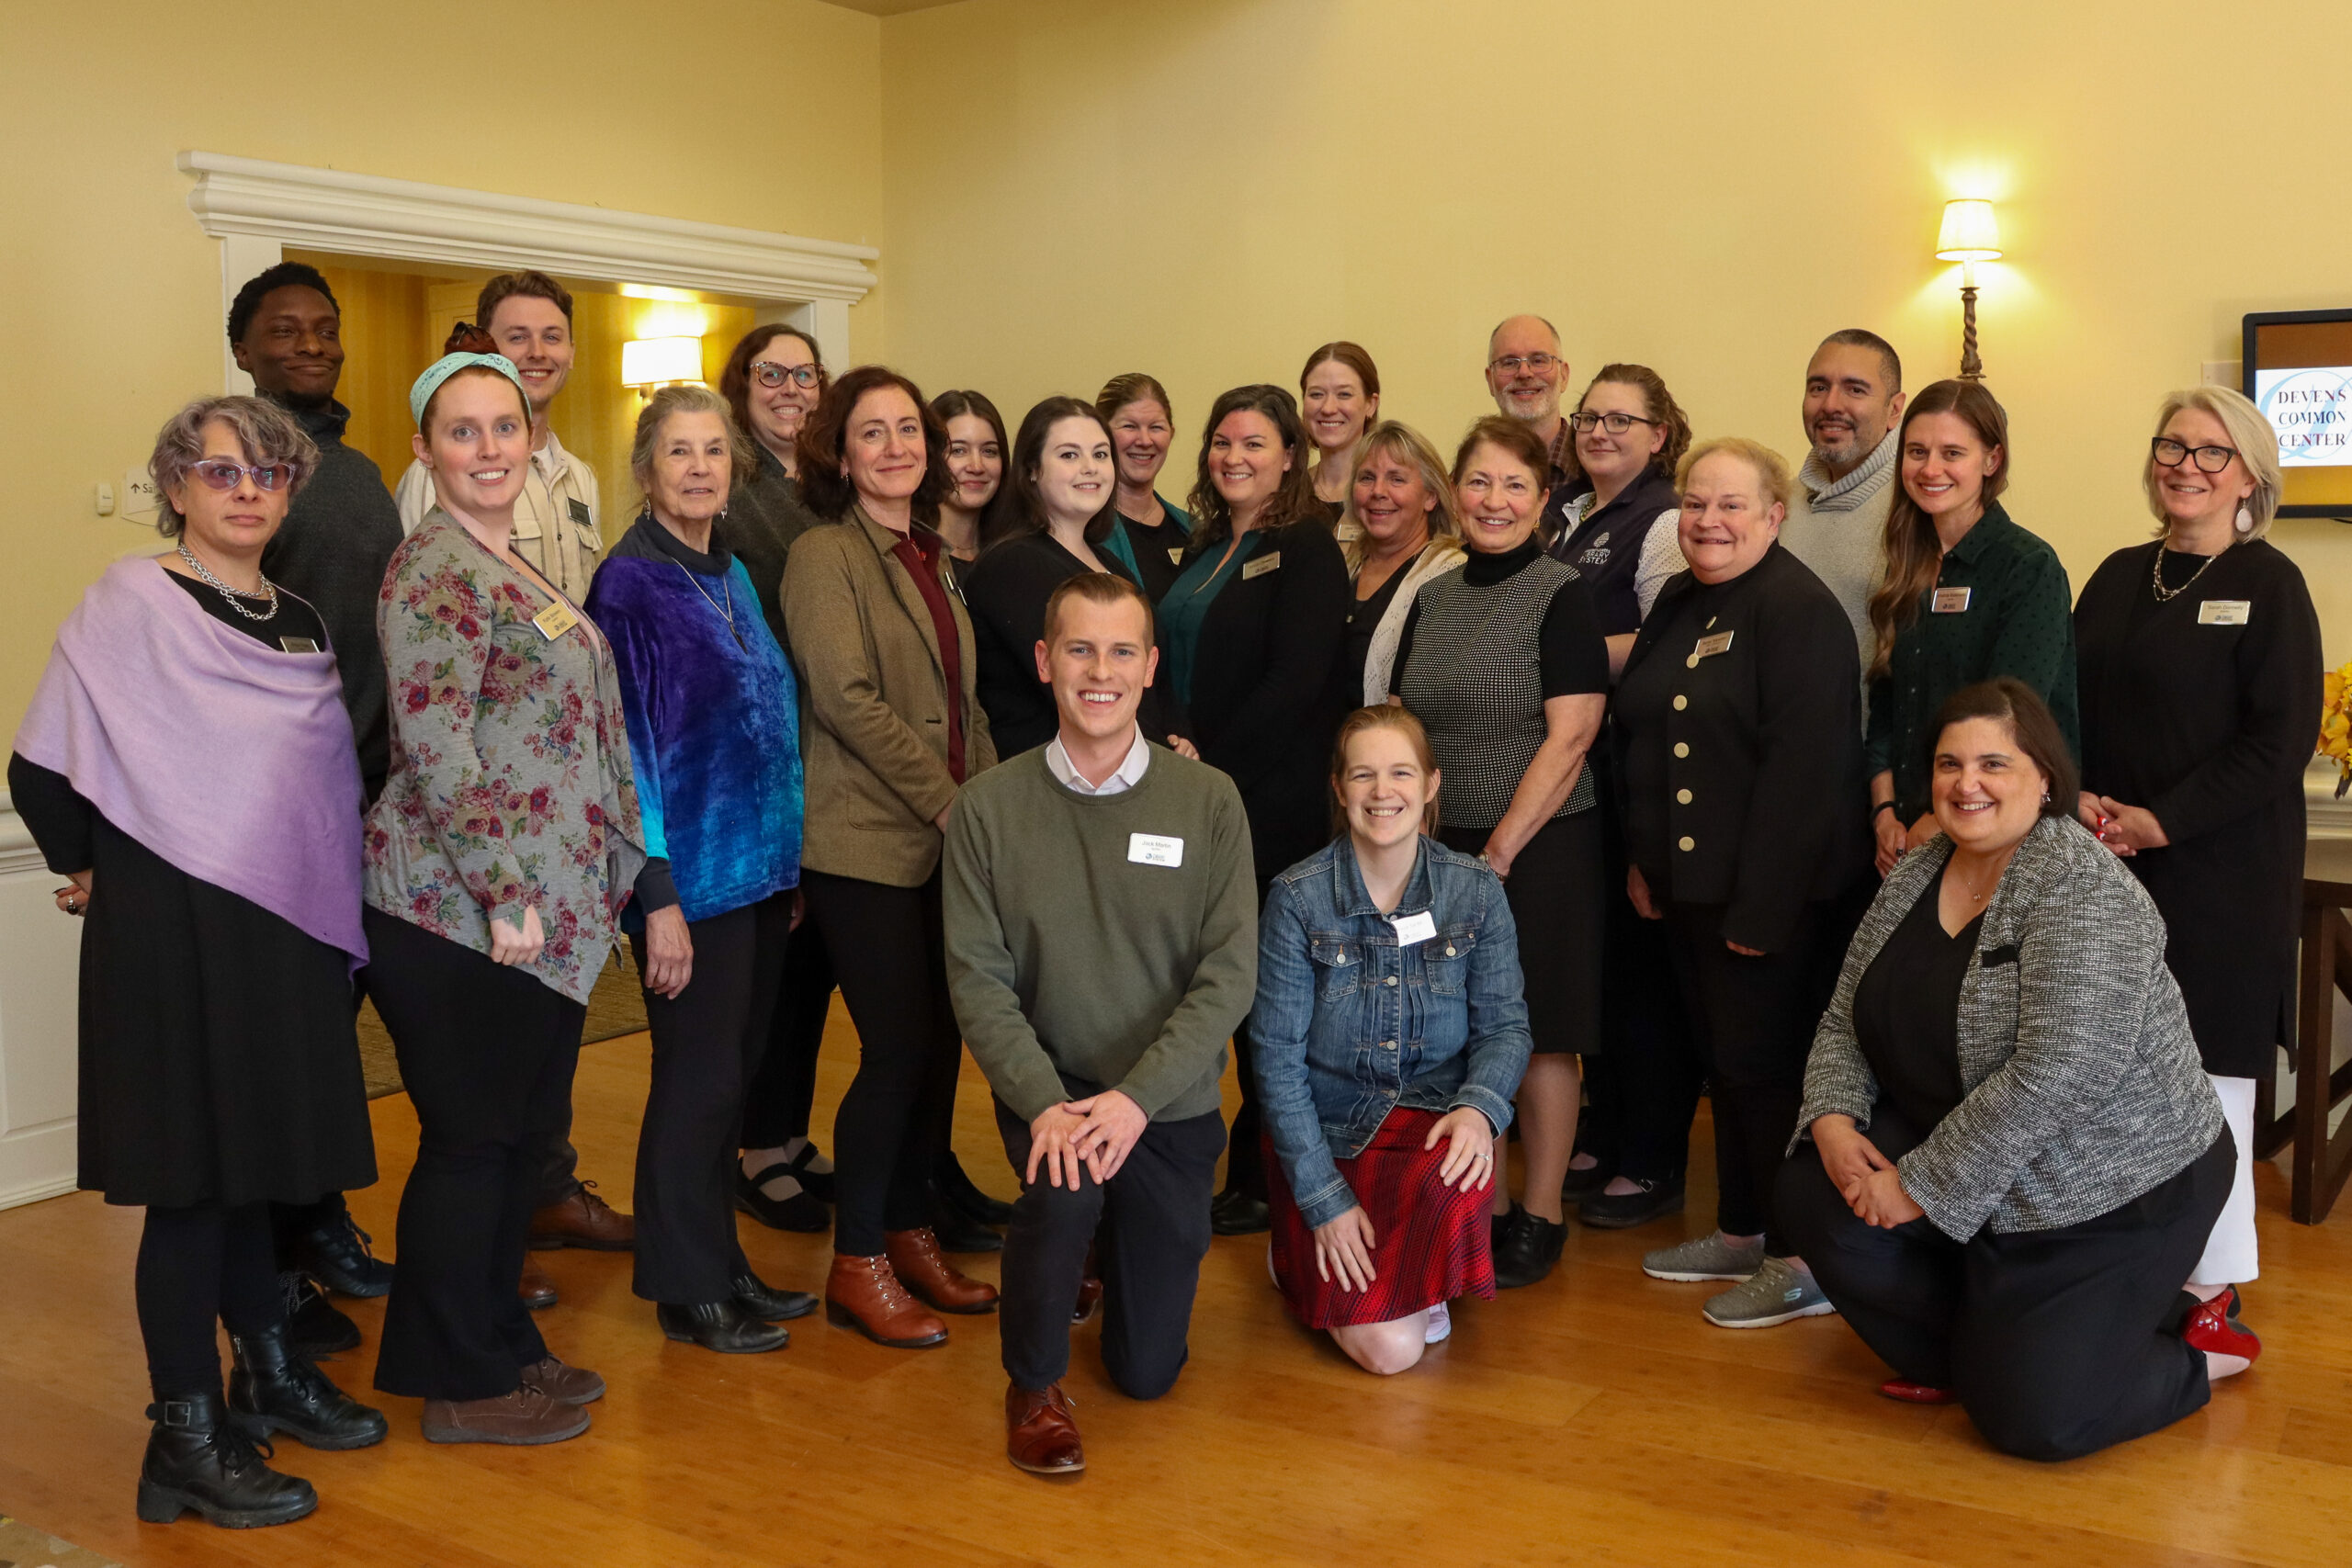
<point>1248,632</point>
<point>2200,677</point>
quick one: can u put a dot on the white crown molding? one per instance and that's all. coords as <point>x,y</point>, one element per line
<point>328,210</point>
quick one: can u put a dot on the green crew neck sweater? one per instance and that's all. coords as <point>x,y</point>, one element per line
<point>1065,955</point>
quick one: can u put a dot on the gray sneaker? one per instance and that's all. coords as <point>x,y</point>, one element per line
<point>1707,1257</point>
<point>1774,1294</point>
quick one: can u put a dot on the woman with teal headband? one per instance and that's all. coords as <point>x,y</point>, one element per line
<point>496,863</point>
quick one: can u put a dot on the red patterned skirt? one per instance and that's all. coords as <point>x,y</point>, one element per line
<point>1429,1241</point>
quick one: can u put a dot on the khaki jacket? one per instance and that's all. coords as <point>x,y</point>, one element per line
<point>875,746</point>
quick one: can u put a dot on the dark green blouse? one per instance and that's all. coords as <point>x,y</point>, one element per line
<point>2019,621</point>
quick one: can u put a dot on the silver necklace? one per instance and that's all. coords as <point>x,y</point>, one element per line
<point>236,597</point>
<point>727,614</point>
<point>2157,578</point>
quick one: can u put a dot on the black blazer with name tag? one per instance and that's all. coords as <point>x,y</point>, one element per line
<point>2210,725</point>
<point>1741,775</point>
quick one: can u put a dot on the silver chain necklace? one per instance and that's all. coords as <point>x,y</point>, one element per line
<point>2157,577</point>
<point>236,597</point>
<point>727,614</point>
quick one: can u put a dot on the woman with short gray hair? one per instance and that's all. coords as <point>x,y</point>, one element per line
<point>188,747</point>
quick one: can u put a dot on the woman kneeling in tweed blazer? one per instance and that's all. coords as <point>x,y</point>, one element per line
<point>2021,1156</point>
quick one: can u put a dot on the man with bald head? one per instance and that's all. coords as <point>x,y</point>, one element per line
<point>1526,374</point>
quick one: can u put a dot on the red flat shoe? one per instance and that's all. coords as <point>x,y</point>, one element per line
<point>1916,1392</point>
<point>2211,1327</point>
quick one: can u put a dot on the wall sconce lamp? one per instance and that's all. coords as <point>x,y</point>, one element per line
<point>1970,234</point>
<point>650,362</point>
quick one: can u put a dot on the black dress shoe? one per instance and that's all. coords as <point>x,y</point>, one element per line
<point>315,1325</point>
<point>761,1300</point>
<point>1234,1213</point>
<point>335,1253</point>
<point>719,1325</point>
<point>198,1459</point>
<point>1592,1178</point>
<point>1623,1211</point>
<point>276,1389</point>
<point>956,1187</point>
<point>802,1212</point>
<point>1528,1248</point>
<point>957,1231</point>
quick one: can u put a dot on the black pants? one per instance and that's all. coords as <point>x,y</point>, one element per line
<point>487,1053</point>
<point>891,954</point>
<point>1755,1019</point>
<point>2059,1343</point>
<point>706,1045</point>
<point>555,1164</point>
<point>776,1111</point>
<point>1149,1227</point>
<point>196,1266</point>
<point>1652,1069</point>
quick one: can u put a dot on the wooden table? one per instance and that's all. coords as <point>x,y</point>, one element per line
<point>2321,1163</point>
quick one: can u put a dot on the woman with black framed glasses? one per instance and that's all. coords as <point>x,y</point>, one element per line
<point>2199,666</point>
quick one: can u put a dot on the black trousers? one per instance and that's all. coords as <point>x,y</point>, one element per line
<point>1754,1019</point>
<point>776,1111</point>
<point>892,955</point>
<point>487,1053</point>
<point>197,1266</point>
<point>706,1045</point>
<point>2060,1342</point>
<point>1149,1226</point>
<point>1652,1071</point>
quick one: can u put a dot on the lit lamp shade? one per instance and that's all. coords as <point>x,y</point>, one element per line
<point>652,361</point>
<point>1969,233</point>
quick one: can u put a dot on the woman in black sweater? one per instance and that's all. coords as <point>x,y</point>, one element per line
<point>1249,633</point>
<point>2201,676</point>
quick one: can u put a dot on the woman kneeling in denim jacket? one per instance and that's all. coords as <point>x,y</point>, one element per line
<point>1391,1037</point>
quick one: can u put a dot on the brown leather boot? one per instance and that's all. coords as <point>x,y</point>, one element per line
<point>864,1294</point>
<point>1040,1433</point>
<point>920,1265</point>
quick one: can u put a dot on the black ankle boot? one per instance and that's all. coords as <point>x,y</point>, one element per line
<point>318,1326</point>
<point>197,1459</point>
<point>276,1389</point>
<point>1527,1248</point>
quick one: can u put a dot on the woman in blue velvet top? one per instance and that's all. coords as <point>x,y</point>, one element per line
<point>713,733</point>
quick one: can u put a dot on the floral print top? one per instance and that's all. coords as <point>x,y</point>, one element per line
<point>511,785</point>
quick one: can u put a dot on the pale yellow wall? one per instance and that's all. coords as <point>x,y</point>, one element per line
<point>759,113</point>
<point>1208,188</point>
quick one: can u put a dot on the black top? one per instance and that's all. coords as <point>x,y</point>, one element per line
<point>294,619</point>
<point>1606,548</point>
<point>1741,770</point>
<point>1159,551</point>
<point>1363,619</point>
<point>1906,1013</point>
<point>2201,709</point>
<point>762,519</point>
<point>1006,594</point>
<point>1570,657</point>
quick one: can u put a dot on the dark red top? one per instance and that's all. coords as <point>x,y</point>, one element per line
<point>919,553</point>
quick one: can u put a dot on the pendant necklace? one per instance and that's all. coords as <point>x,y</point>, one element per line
<point>236,597</point>
<point>727,614</point>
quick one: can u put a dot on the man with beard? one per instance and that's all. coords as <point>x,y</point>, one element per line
<point>1526,374</point>
<point>1836,521</point>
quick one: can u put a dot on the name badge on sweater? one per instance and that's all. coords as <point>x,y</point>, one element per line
<point>1152,848</point>
<point>1413,929</point>
<point>2224,612</point>
<point>579,509</point>
<point>1949,601</point>
<point>1708,647</point>
<point>1261,565</point>
<point>298,645</point>
<point>555,620</point>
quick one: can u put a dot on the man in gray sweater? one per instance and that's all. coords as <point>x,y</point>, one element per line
<point>1102,947</point>
<point>1836,521</point>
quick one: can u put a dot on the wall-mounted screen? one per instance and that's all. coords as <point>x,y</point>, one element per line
<point>2299,373</point>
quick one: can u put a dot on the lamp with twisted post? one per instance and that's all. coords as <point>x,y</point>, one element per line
<point>1969,235</point>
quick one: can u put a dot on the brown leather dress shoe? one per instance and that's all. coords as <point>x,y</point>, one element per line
<point>920,1265</point>
<point>564,1384</point>
<point>583,1220</point>
<point>1090,1296</point>
<point>1040,1433</point>
<point>536,1289</point>
<point>864,1294</point>
<point>524,1417</point>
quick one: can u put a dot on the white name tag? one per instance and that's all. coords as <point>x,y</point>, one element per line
<point>1949,601</point>
<point>2224,612</point>
<point>1711,646</point>
<point>1261,565</point>
<point>1151,849</point>
<point>1414,929</point>
<point>1175,555</point>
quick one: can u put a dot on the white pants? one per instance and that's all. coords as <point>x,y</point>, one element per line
<point>2230,1257</point>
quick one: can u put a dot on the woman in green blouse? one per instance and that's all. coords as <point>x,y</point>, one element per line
<point>1968,595</point>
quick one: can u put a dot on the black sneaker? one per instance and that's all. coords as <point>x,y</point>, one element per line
<point>317,1326</point>
<point>1623,1211</point>
<point>1529,1247</point>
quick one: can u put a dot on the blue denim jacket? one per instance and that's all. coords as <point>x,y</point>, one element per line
<point>1348,1025</point>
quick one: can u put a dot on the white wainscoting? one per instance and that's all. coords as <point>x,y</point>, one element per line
<point>40,981</point>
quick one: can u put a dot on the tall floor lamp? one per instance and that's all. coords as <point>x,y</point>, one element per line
<point>1969,235</point>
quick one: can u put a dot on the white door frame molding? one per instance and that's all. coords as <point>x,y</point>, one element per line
<point>39,1001</point>
<point>256,208</point>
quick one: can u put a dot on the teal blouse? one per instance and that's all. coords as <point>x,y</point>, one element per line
<point>1187,604</point>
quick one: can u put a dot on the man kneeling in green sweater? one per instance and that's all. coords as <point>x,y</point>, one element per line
<point>1102,947</point>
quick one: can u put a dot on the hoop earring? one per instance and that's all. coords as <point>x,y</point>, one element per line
<point>2245,519</point>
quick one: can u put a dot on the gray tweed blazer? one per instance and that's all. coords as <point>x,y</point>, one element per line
<point>2084,1088</point>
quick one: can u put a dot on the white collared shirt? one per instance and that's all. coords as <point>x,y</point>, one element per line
<point>1124,777</point>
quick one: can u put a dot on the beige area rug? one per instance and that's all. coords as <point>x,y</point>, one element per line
<point>21,1546</point>
<point>617,1006</point>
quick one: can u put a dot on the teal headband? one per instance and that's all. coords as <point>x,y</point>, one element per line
<point>448,365</point>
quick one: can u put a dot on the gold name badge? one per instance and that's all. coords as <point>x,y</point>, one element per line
<point>298,645</point>
<point>2224,612</point>
<point>1261,565</point>
<point>1707,648</point>
<point>555,620</point>
<point>1950,600</point>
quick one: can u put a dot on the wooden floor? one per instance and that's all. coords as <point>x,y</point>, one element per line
<point>1592,1419</point>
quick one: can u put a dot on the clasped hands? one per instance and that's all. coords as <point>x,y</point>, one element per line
<point>1098,1132</point>
<point>1343,1243</point>
<point>1868,1180</point>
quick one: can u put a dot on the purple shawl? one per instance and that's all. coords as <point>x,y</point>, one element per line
<point>230,760</point>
